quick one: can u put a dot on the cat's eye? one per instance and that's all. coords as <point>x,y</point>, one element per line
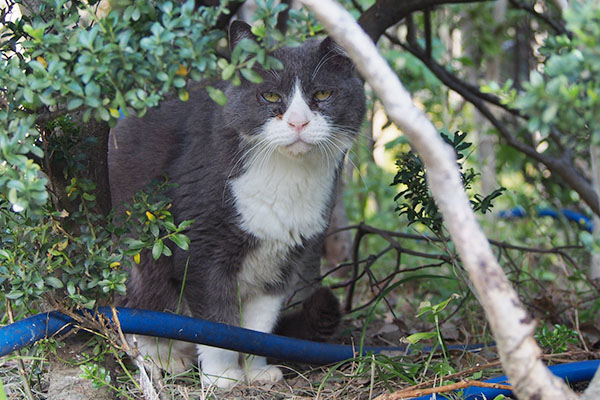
<point>271,97</point>
<point>321,95</point>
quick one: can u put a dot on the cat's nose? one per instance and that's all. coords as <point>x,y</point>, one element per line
<point>298,125</point>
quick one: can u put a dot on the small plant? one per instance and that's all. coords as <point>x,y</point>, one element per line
<point>557,338</point>
<point>149,219</point>
<point>81,251</point>
<point>433,312</point>
<point>416,201</point>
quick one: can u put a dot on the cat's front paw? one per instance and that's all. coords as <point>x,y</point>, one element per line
<point>224,379</point>
<point>264,373</point>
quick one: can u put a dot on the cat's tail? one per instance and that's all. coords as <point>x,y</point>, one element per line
<point>318,319</point>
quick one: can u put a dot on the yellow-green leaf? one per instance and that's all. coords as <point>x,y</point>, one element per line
<point>114,113</point>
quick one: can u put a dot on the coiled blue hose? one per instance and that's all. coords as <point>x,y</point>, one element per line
<point>582,220</point>
<point>152,323</point>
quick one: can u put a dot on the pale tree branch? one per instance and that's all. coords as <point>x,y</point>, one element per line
<point>593,390</point>
<point>511,324</point>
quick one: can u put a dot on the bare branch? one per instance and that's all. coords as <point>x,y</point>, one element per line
<point>385,13</point>
<point>511,324</point>
<point>557,26</point>
<point>449,79</point>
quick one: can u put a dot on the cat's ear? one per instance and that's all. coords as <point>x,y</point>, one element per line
<point>335,54</point>
<point>239,30</point>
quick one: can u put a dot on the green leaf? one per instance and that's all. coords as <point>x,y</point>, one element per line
<point>251,75</point>
<point>157,249</point>
<point>182,241</point>
<point>216,95</point>
<point>549,113</point>
<point>185,224</point>
<point>28,95</point>
<point>54,282</point>
<point>114,113</point>
<point>417,337</point>
<point>134,244</point>
<point>74,103</point>
<point>103,114</point>
<point>228,72</point>
<point>92,89</point>
<point>14,294</point>
<point>440,306</point>
<point>183,95</point>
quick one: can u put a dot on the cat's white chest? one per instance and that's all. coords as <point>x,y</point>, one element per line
<point>284,200</point>
<point>280,203</point>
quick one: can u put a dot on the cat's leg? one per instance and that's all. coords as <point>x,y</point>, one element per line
<point>172,356</point>
<point>219,367</point>
<point>260,314</point>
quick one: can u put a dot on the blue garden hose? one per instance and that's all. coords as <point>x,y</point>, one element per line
<point>152,323</point>
<point>28,331</point>
<point>574,216</point>
<point>172,326</point>
<point>581,371</point>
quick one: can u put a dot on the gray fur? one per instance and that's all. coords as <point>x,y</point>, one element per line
<point>198,144</point>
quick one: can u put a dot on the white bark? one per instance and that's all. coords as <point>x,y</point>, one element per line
<point>511,324</point>
<point>593,390</point>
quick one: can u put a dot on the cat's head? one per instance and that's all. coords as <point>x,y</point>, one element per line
<point>316,103</point>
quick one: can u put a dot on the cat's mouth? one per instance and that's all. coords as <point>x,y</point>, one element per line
<point>298,147</point>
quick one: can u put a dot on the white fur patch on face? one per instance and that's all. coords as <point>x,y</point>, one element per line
<point>301,130</point>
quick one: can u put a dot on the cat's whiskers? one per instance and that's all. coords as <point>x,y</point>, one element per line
<point>322,62</point>
<point>250,139</point>
<point>275,74</point>
<point>331,140</point>
<point>246,151</point>
<point>326,153</point>
<point>261,156</point>
<point>351,134</point>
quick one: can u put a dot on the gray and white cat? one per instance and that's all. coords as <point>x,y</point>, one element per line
<point>258,177</point>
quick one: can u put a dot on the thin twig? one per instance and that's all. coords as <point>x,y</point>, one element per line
<point>557,26</point>
<point>351,287</point>
<point>466,383</point>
